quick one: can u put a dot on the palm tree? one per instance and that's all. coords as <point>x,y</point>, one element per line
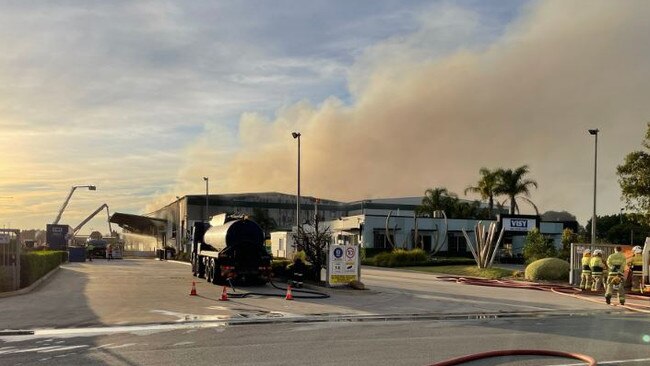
<point>437,199</point>
<point>486,186</point>
<point>513,184</point>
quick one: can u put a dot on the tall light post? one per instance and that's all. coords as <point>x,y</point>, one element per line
<point>207,180</point>
<point>296,135</point>
<point>621,215</point>
<point>594,132</point>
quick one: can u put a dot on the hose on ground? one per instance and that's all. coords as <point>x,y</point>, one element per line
<point>557,289</point>
<point>297,293</point>
<point>516,352</point>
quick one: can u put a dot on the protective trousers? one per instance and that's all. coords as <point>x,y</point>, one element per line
<point>585,280</point>
<point>636,281</point>
<point>611,287</point>
<point>596,280</point>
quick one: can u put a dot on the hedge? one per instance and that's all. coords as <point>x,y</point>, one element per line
<point>400,258</point>
<point>548,269</point>
<point>36,264</point>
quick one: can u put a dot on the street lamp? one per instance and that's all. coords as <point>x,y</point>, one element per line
<point>621,215</point>
<point>594,132</point>
<point>67,200</point>
<point>296,135</point>
<point>207,180</point>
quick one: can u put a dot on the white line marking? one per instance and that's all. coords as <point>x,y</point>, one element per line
<point>122,346</point>
<point>26,350</point>
<point>182,344</point>
<point>615,362</point>
<point>58,349</point>
<point>102,346</point>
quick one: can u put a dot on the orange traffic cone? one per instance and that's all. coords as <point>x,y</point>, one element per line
<point>224,294</point>
<point>193,292</point>
<point>289,295</point>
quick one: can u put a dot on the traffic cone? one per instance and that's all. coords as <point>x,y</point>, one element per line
<point>289,295</point>
<point>193,292</point>
<point>224,294</point>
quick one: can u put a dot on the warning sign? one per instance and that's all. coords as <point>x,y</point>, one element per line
<point>343,269</point>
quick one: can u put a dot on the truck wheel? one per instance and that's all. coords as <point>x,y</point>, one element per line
<point>201,267</point>
<point>209,270</point>
<point>195,269</point>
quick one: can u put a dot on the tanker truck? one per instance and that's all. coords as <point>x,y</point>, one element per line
<point>230,247</point>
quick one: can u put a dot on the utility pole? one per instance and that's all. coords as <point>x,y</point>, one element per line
<point>296,135</point>
<point>594,132</point>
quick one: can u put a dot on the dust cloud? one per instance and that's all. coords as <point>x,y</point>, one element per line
<point>527,98</point>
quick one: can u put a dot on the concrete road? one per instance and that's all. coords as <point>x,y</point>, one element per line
<point>148,291</point>
<point>608,338</point>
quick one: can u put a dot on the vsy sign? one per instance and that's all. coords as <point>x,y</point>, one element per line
<point>519,224</point>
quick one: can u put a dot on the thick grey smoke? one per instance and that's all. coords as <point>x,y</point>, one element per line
<point>415,123</point>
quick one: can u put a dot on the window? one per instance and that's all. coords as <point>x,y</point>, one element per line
<point>281,246</point>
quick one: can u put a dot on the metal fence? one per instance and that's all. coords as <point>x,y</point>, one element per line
<point>9,260</point>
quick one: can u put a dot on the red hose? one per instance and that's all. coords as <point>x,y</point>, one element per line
<point>516,352</point>
<point>558,289</point>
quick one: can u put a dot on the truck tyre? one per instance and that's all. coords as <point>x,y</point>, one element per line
<point>200,267</point>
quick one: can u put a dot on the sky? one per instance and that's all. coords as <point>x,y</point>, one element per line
<point>143,99</point>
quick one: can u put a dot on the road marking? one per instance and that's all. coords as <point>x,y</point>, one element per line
<point>26,350</point>
<point>615,362</point>
<point>181,344</point>
<point>59,349</point>
<point>122,346</point>
<point>102,346</point>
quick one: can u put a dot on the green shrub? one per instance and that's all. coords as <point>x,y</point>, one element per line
<point>537,247</point>
<point>548,269</point>
<point>368,253</point>
<point>399,258</point>
<point>279,267</point>
<point>36,264</point>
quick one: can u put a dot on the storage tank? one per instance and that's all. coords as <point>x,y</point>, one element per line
<point>238,233</point>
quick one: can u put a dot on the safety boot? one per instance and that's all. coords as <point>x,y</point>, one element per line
<point>623,302</point>
<point>608,299</point>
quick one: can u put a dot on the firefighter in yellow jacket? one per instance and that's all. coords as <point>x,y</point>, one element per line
<point>636,266</point>
<point>585,276</point>
<point>596,265</point>
<point>616,263</point>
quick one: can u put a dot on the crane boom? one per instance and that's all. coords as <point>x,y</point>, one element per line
<point>90,217</point>
<point>67,200</point>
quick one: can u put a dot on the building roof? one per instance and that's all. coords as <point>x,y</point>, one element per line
<point>138,223</point>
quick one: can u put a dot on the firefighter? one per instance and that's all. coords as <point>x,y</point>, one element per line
<point>89,251</point>
<point>616,263</point>
<point>298,265</point>
<point>585,277</point>
<point>596,265</point>
<point>636,266</point>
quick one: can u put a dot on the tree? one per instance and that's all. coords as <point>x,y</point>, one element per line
<point>314,238</point>
<point>558,216</point>
<point>436,199</point>
<point>486,187</point>
<point>634,179</point>
<point>536,246</point>
<point>568,237</point>
<point>262,218</point>
<point>512,183</point>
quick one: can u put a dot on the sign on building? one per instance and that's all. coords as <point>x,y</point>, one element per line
<point>343,264</point>
<point>523,224</point>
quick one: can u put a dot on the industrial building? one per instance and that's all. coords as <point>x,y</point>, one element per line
<point>362,222</point>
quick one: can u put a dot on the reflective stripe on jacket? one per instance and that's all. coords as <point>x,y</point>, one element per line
<point>637,264</point>
<point>596,265</point>
<point>616,263</point>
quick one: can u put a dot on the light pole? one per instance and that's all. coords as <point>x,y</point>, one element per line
<point>207,217</point>
<point>594,132</point>
<point>621,215</point>
<point>296,135</point>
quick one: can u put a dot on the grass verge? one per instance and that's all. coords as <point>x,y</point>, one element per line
<point>473,271</point>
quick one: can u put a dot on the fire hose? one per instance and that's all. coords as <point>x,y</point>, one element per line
<point>555,288</point>
<point>516,352</point>
<point>299,293</point>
